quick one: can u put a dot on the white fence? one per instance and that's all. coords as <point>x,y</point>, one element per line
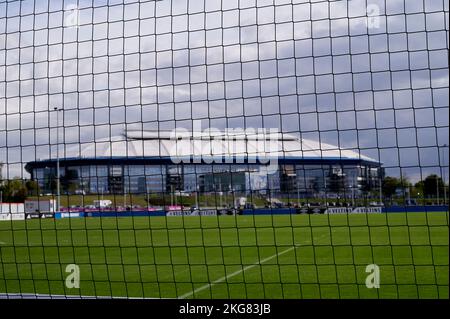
<point>12,208</point>
<point>353,210</point>
<point>12,211</point>
<point>17,216</point>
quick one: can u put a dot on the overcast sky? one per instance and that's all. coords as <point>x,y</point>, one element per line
<point>322,70</point>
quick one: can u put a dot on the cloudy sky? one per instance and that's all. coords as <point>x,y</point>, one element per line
<point>364,75</point>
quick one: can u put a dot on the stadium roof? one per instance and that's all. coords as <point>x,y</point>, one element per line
<point>207,145</point>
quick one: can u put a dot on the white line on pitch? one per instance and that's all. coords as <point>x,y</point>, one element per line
<point>48,296</point>
<point>262,261</point>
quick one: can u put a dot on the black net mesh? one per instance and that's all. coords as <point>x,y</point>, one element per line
<point>224,149</point>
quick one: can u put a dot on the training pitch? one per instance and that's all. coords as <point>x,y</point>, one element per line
<point>279,256</point>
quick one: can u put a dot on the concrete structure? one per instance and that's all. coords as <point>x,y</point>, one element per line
<point>161,162</point>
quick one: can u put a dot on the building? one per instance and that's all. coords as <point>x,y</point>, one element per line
<point>162,162</point>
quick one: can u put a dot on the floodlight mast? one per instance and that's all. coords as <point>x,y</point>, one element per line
<point>443,174</point>
<point>58,187</point>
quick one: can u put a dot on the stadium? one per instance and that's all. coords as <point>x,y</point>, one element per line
<point>126,117</point>
<point>238,162</point>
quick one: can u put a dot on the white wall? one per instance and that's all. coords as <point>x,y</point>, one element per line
<point>12,208</point>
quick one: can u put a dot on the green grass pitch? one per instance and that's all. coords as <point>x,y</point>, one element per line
<point>282,256</point>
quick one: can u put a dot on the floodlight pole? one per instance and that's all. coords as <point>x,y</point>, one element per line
<point>220,195</point>
<point>196,197</point>
<point>353,191</point>
<point>437,189</point>
<point>380,186</point>
<point>443,173</point>
<point>58,190</point>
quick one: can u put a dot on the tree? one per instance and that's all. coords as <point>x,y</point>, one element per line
<point>32,187</point>
<point>405,186</point>
<point>417,191</point>
<point>336,183</point>
<point>433,186</point>
<point>419,186</point>
<point>50,183</point>
<point>69,182</point>
<point>404,182</point>
<point>13,191</point>
<point>389,186</point>
<point>315,186</point>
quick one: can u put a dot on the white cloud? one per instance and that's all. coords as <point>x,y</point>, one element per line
<point>157,66</point>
